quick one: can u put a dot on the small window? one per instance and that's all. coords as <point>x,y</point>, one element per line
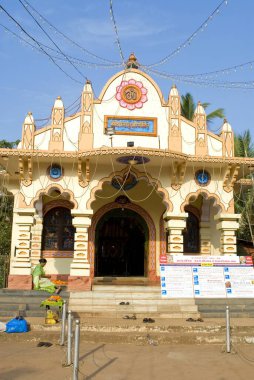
<point>55,171</point>
<point>58,231</point>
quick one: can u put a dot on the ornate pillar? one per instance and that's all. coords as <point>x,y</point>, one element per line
<point>20,271</point>
<point>201,130</point>
<point>36,240</point>
<point>228,224</point>
<point>56,143</point>
<point>86,125</point>
<point>175,225</point>
<point>175,136</point>
<point>79,278</point>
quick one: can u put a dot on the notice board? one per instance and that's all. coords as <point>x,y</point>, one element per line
<point>228,276</point>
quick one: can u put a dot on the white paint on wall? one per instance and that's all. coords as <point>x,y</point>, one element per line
<point>41,141</point>
<point>188,138</point>
<point>214,146</point>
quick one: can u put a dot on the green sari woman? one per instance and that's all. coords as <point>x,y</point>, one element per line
<point>40,282</point>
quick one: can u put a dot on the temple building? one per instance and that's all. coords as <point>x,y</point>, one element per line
<point>104,192</point>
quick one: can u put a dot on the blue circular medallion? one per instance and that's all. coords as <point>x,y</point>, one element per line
<point>55,171</point>
<point>202,177</point>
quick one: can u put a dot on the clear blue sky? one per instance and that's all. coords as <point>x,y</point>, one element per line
<point>152,29</point>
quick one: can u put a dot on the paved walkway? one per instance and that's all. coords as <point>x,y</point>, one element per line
<point>98,361</point>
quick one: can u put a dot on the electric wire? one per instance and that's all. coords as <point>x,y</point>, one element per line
<point>188,41</point>
<point>53,42</point>
<point>39,45</point>
<point>246,85</point>
<point>68,38</point>
<point>116,30</point>
<point>75,60</point>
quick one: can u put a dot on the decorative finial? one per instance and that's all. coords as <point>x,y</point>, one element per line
<point>132,62</point>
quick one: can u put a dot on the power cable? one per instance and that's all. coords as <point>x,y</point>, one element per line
<point>37,43</point>
<point>77,61</point>
<point>115,29</point>
<point>68,38</point>
<point>226,70</point>
<point>53,42</point>
<point>247,85</point>
<point>188,41</point>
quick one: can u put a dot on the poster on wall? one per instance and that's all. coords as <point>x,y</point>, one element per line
<point>239,282</point>
<point>176,282</point>
<point>227,276</point>
<point>208,282</point>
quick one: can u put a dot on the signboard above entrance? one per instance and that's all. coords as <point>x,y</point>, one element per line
<point>144,126</point>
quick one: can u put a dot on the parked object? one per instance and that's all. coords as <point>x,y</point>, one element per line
<point>17,325</point>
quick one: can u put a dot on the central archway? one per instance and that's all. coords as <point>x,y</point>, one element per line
<point>121,238</point>
<point>150,265</point>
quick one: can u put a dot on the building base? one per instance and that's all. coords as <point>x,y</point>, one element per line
<point>79,284</point>
<point>16,281</point>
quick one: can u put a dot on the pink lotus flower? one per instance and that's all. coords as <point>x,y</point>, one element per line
<point>137,94</point>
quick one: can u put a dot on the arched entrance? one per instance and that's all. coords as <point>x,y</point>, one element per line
<point>121,243</point>
<point>191,235</point>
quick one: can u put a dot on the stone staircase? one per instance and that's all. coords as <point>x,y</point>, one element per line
<point>25,302</point>
<point>143,301</point>
<point>216,307</point>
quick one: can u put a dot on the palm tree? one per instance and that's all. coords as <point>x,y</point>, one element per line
<point>244,201</point>
<point>188,107</point>
<point>244,147</point>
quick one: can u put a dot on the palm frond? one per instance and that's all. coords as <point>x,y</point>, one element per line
<point>218,113</point>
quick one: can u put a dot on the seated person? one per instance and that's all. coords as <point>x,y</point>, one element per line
<point>40,281</point>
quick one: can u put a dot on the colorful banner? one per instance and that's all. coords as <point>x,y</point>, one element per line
<point>206,260</point>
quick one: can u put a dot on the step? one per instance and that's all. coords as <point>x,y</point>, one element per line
<point>155,315</point>
<point>127,288</point>
<point>133,302</point>
<point>224,301</point>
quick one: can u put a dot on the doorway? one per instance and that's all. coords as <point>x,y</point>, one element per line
<point>191,235</point>
<point>121,238</point>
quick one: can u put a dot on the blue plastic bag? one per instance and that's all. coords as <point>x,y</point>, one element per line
<point>16,325</point>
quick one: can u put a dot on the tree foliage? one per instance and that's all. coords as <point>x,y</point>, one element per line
<point>9,144</point>
<point>244,201</point>
<point>6,212</point>
<point>188,107</point>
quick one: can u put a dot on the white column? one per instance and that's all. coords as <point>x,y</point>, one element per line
<point>81,221</point>
<point>36,240</point>
<point>175,225</point>
<point>228,224</point>
<point>21,263</point>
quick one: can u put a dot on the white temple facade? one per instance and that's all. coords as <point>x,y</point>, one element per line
<point>107,190</point>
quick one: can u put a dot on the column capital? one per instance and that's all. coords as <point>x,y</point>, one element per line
<point>24,211</point>
<point>82,218</point>
<point>227,217</point>
<point>171,216</point>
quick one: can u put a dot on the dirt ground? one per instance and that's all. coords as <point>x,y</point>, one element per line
<point>21,359</point>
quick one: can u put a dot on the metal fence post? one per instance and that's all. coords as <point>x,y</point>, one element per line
<point>63,323</point>
<point>76,350</point>
<point>228,345</point>
<point>69,338</point>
